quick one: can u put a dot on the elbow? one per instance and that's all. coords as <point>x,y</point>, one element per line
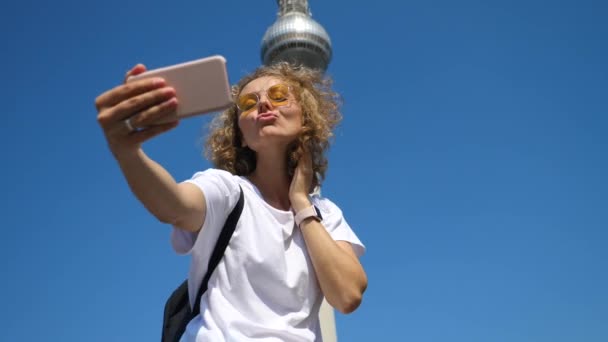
<point>349,305</point>
<point>352,299</point>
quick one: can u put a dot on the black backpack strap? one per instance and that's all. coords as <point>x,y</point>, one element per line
<point>220,248</point>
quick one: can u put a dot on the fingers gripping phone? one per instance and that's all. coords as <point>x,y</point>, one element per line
<point>201,86</point>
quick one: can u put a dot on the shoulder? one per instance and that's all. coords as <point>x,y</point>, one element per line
<point>336,224</point>
<point>325,205</point>
<point>217,184</point>
<point>216,176</point>
<point>215,173</point>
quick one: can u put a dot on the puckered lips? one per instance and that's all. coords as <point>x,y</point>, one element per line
<point>266,117</point>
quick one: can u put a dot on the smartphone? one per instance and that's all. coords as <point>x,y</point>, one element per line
<point>201,86</point>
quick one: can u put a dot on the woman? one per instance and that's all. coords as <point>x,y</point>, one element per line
<point>284,256</point>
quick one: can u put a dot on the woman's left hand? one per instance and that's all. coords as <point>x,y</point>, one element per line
<point>301,183</point>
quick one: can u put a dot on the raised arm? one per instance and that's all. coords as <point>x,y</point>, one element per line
<point>127,115</point>
<point>339,272</point>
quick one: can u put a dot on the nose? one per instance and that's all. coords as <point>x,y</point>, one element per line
<point>263,102</point>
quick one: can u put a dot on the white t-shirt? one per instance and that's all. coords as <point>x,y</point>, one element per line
<point>265,287</point>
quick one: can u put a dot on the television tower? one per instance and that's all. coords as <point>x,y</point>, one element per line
<point>296,37</point>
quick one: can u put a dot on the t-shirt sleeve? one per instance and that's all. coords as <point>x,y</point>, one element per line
<point>336,224</point>
<point>221,192</point>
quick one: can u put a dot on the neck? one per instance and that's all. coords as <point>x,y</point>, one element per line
<point>271,178</point>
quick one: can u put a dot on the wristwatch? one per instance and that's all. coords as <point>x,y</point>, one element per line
<point>311,211</point>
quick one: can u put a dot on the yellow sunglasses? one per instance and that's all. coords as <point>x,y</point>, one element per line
<point>278,95</point>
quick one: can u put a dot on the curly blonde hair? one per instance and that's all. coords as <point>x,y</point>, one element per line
<point>320,115</point>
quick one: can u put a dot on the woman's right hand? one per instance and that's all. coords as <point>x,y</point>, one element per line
<point>128,114</point>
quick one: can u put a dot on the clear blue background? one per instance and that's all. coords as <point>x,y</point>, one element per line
<point>472,162</point>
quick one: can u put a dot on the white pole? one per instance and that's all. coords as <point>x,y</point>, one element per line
<point>328,323</point>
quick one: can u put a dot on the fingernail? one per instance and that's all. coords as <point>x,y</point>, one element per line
<point>171,101</point>
<point>158,81</point>
<point>169,91</point>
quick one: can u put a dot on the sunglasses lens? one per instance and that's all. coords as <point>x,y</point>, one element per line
<point>247,102</point>
<point>278,94</point>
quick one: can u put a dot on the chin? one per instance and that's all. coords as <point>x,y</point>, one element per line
<point>270,141</point>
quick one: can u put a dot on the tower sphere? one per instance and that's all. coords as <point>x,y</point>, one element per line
<point>296,37</point>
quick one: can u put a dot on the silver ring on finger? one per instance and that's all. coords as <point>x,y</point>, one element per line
<point>129,126</point>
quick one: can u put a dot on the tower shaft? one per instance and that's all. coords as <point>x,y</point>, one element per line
<point>286,6</point>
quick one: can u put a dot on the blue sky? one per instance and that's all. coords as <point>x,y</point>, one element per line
<point>471,161</point>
